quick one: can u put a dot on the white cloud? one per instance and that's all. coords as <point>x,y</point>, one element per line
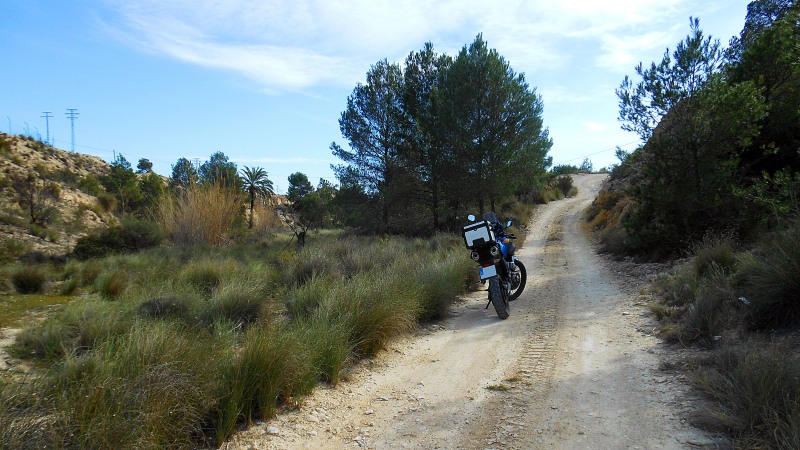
<point>294,45</point>
<point>595,127</point>
<point>552,95</point>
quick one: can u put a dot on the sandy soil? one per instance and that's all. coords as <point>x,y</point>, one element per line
<point>575,366</point>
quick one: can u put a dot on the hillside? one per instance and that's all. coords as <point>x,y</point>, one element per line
<point>71,181</point>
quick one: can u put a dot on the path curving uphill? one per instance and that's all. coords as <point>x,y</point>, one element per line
<point>571,368</point>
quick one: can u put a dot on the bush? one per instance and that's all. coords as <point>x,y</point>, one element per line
<point>204,276</point>
<point>156,377</point>
<point>756,395</point>
<point>375,307</point>
<point>111,284</point>
<point>201,215</point>
<point>168,306</point>
<point>132,235</point>
<point>91,185</point>
<point>441,281</point>
<point>329,344</point>
<point>81,327</point>
<point>11,248</point>
<point>714,253</point>
<point>29,280</point>
<point>565,184</point>
<point>769,280</point>
<point>69,286</point>
<point>274,367</point>
<point>107,202</point>
<point>711,312</point>
<point>239,304</point>
<point>140,234</point>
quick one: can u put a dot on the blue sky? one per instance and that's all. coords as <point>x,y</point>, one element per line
<point>265,81</point>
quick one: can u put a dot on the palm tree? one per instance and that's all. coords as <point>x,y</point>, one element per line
<point>256,184</point>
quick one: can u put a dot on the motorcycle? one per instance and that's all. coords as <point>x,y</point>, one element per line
<point>492,248</point>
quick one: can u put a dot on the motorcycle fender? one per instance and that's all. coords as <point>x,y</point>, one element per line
<point>488,272</point>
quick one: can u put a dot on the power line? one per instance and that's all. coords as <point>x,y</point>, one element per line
<point>72,114</point>
<point>47,115</point>
<point>597,153</point>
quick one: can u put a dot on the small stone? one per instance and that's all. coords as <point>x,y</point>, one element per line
<point>369,412</point>
<point>273,430</point>
<point>312,418</point>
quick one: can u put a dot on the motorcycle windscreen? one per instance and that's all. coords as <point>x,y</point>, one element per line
<point>488,272</point>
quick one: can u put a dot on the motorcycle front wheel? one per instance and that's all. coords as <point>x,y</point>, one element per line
<point>518,281</point>
<point>499,298</point>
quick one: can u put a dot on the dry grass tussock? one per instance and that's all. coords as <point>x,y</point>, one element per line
<point>725,299</point>
<point>201,215</point>
<point>200,340</point>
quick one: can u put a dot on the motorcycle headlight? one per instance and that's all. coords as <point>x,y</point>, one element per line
<point>475,256</point>
<point>495,251</point>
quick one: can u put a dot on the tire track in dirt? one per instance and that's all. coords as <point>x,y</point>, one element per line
<point>577,371</point>
<point>505,423</point>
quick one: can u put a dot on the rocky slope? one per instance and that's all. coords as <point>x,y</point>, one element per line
<point>77,210</point>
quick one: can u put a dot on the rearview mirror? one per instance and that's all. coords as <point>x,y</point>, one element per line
<point>471,217</point>
<point>508,224</point>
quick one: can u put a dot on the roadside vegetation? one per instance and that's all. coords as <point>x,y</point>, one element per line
<point>174,345</point>
<point>741,305</point>
<point>716,184</point>
<point>191,305</point>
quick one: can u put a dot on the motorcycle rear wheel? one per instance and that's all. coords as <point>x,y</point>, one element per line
<point>499,298</point>
<point>517,288</point>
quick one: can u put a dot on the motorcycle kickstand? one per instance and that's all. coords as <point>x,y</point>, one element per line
<point>488,303</point>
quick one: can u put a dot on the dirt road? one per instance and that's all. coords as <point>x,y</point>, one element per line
<point>573,367</point>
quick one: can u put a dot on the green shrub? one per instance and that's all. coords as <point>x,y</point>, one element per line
<point>132,235</point>
<point>242,305</point>
<point>441,281</point>
<point>91,185</point>
<point>29,280</point>
<point>138,234</point>
<point>111,284</point>
<point>150,389</point>
<point>107,202</point>
<point>714,253</point>
<point>565,184</point>
<point>274,366</point>
<point>756,395</point>
<point>711,313</point>
<point>204,276</point>
<point>165,307</point>
<point>68,287</point>
<point>769,280</point>
<point>79,328</point>
<point>375,307</point>
<point>328,341</point>
<point>302,301</point>
<point>677,288</point>
<point>89,271</point>
<point>12,248</point>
